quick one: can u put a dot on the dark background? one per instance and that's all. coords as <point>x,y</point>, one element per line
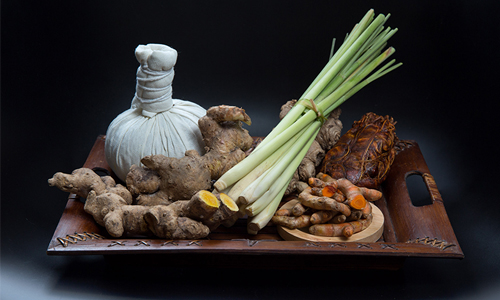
<point>68,69</point>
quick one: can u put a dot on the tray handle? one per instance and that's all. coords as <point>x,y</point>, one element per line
<point>416,223</point>
<point>431,185</point>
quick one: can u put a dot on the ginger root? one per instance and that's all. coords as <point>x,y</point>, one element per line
<point>164,180</point>
<point>184,219</point>
<point>82,181</point>
<point>179,178</point>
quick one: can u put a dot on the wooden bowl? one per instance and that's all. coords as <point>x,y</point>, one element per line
<point>369,235</point>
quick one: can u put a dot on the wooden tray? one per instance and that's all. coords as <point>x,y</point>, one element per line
<point>409,231</point>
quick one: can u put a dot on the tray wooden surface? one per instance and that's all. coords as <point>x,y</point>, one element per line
<point>408,231</point>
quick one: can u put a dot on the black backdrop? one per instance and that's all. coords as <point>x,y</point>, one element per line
<point>68,68</point>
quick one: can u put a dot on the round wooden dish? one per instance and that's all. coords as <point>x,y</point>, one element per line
<point>369,235</point>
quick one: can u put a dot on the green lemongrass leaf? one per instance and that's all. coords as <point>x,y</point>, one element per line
<point>372,39</point>
<point>346,56</point>
<point>373,64</point>
<point>381,72</point>
<point>357,30</point>
<point>329,103</point>
<point>296,111</point>
<point>332,49</point>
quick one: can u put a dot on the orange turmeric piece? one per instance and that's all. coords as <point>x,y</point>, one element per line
<point>367,210</point>
<point>338,196</point>
<point>322,216</point>
<point>332,230</point>
<point>326,191</point>
<point>370,194</point>
<point>325,177</point>
<point>287,208</point>
<point>292,222</point>
<point>316,182</point>
<point>285,212</point>
<point>322,203</point>
<point>338,230</point>
<point>355,198</point>
<point>298,210</point>
<point>338,219</point>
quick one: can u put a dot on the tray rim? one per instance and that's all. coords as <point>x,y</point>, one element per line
<point>65,242</point>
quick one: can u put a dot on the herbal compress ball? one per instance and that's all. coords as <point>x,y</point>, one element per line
<point>155,123</point>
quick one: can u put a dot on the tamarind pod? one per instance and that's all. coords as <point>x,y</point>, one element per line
<point>298,210</point>
<point>322,216</point>
<point>292,222</point>
<point>370,194</point>
<point>338,219</point>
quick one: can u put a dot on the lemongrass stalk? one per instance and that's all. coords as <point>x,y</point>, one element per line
<point>247,196</point>
<point>259,221</point>
<point>265,211</point>
<point>245,166</point>
<point>240,186</point>
<point>270,178</point>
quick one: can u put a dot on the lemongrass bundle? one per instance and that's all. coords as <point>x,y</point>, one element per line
<point>259,181</point>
